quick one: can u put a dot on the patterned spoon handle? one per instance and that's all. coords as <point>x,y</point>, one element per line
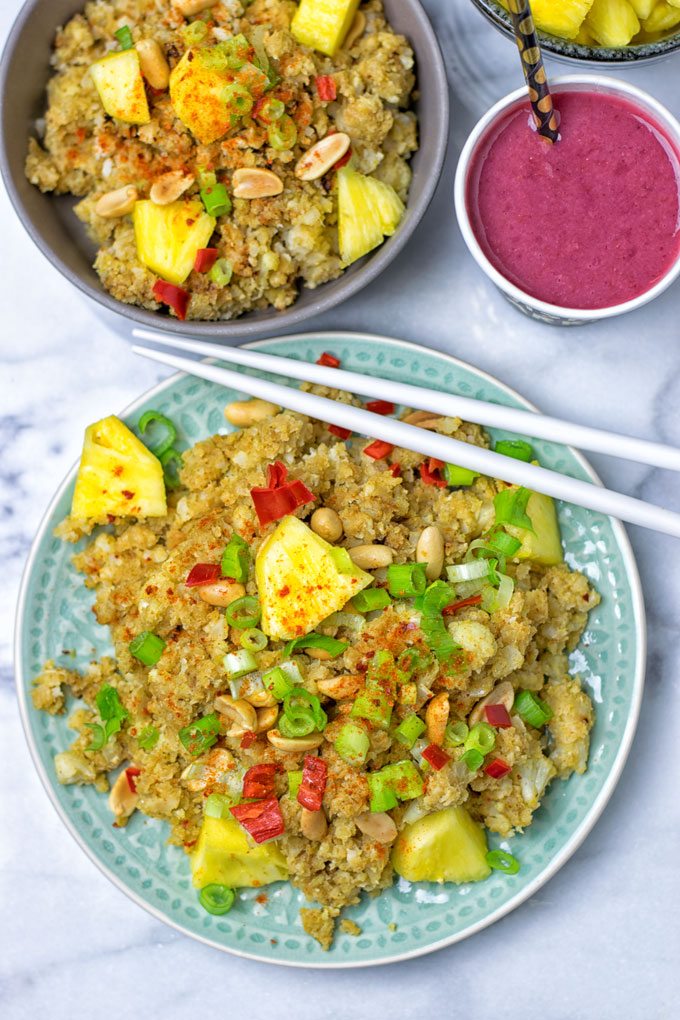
<point>528,45</point>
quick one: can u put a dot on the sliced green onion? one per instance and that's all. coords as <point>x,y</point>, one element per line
<point>237,51</point>
<point>409,729</point>
<point>499,860</point>
<point>404,778</point>
<point>254,640</point>
<point>322,641</point>
<point>370,599</point>
<point>236,559</point>
<point>383,797</point>
<point>271,109</point>
<point>482,738</point>
<point>148,738</point>
<point>112,713</point>
<point>531,709</point>
<point>406,580</point>
<point>194,33</point>
<point>506,545</point>
<point>455,734</point>
<point>473,759</point>
<point>302,714</point>
<point>237,664</point>
<point>171,461</point>
<point>472,571</point>
<point>168,434</point>
<point>495,599</point>
<point>277,683</point>
<point>198,736</point>
<point>124,37</point>
<point>407,663</point>
<point>408,694</point>
<point>217,805</point>
<point>282,134</point>
<point>244,612</point>
<point>301,726</point>
<point>147,647</point>
<point>518,449</point>
<point>352,743</point>
<point>374,705</point>
<point>454,475</point>
<point>511,506</point>
<point>217,203</point>
<point>238,98</point>
<point>342,560</point>
<point>294,782</point>
<point>437,596</point>
<point>216,899</point>
<point>221,273</point>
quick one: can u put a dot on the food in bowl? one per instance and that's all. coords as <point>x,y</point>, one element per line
<point>575,224</point>
<point>226,155</point>
<point>334,661</point>
<point>610,23</point>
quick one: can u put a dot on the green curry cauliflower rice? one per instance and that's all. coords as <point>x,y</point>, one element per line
<point>267,246</point>
<point>138,570</point>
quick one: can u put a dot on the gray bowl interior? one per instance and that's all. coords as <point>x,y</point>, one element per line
<point>49,220</point>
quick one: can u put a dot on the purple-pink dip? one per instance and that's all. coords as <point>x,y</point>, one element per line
<point>590,222</point>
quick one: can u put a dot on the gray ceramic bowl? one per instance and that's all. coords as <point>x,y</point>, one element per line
<point>570,52</point>
<point>49,220</point>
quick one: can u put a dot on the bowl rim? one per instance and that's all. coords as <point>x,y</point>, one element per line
<point>578,835</point>
<point>251,324</point>
<point>597,82</point>
<point>567,49</point>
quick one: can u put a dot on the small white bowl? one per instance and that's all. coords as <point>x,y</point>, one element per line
<point>542,310</point>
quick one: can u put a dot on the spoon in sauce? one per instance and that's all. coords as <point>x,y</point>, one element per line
<point>542,108</point>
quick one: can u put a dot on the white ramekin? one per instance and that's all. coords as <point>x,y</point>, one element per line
<point>542,310</point>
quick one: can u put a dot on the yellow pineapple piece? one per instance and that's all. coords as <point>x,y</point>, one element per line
<point>168,236</point>
<point>120,85</point>
<point>446,846</point>
<point>612,22</point>
<point>323,24</point>
<point>663,17</point>
<point>118,475</point>
<point>584,38</point>
<point>224,855</point>
<point>559,17</point>
<point>643,8</point>
<point>368,211</point>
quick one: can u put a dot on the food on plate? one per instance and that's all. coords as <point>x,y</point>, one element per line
<point>335,661</point>
<point>226,156</point>
<point>575,224</point>
<point>611,23</point>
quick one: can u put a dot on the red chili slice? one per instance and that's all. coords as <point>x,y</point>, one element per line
<point>430,474</point>
<point>338,431</point>
<point>247,739</point>
<point>313,785</point>
<point>378,450</point>
<point>395,470</point>
<point>473,600</point>
<point>326,88</point>
<point>203,573</point>
<point>205,259</point>
<point>131,774</point>
<point>174,297</point>
<point>498,715</point>
<point>262,820</point>
<point>380,406</point>
<point>279,497</point>
<point>436,757</point>
<point>497,768</point>
<point>344,160</point>
<point>259,781</point>
<point>329,360</point>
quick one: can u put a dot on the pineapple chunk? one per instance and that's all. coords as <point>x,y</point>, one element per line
<point>663,17</point>
<point>559,17</point>
<point>447,846</point>
<point>299,582</point>
<point>323,24</point>
<point>643,8</point>
<point>120,85</point>
<point>543,544</point>
<point>117,475</point>
<point>168,236</point>
<point>368,210</point>
<point>225,856</point>
<point>612,22</point>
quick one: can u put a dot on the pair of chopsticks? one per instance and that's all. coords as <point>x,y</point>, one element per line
<point>431,444</point>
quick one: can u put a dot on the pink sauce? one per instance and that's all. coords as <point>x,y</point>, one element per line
<point>589,222</point>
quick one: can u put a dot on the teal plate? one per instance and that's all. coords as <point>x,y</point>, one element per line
<point>406,920</point>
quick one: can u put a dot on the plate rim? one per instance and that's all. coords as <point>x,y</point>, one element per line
<point>557,862</point>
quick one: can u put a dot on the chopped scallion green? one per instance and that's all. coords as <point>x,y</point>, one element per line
<point>370,599</point>
<point>254,640</point>
<point>499,860</point>
<point>237,664</point>
<point>124,37</point>
<point>244,612</point>
<point>236,559</point>
<point>217,203</point>
<point>482,738</point>
<point>511,506</point>
<point>216,899</point>
<point>409,729</point>
<point>322,641</point>
<point>147,648</point>
<point>148,738</point>
<point>352,743</point>
<point>167,436</point>
<point>199,736</point>
<point>518,449</point>
<point>459,476</point>
<point>406,580</point>
<point>473,759</point>
<point>277,682</point>
<point>531,709</point>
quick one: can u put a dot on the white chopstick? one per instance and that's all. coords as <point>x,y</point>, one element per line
<point>430,444</point>
<point>528,423</point>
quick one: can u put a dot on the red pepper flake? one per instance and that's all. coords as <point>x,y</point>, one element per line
<point>205,259</point>
<point>473,600</point>
<point>326,88</point>
<point>247,739</point>
<point>131,774</point>
<point>279,497</point>
<point>128,494</point>
<point>329,360</point>
<point>430,473</point>
<point>258,782</point>
<point>338,431</point>
<point>203,573</point>
<point>174,297</point>
<point>498,715</point>
<point>436,757</point>
<point>380,406</point>
<point>497,768</point>
<point>313,785</point>
<point>262,820</point>
<point>395,470</point>
<point>378,450</point>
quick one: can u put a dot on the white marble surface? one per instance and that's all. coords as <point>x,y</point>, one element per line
<point>602,939</point>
